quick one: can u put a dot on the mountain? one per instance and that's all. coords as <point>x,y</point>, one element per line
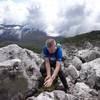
<point>78,40</point>
<point>31,38</point>
<point>21,33</point>
<point>25,36</point>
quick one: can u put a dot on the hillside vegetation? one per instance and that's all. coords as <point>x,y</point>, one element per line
<point>37,44</point>
<point>93,37</point>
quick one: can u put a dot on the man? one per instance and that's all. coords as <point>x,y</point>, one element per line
<point>52,58</point>
<point>52,55</point>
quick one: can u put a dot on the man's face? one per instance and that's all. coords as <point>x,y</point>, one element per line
<point>52,48</point>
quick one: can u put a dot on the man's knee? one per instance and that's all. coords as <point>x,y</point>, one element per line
<point>42,69</point>
<point>61,74</point>
<point>60,71</point>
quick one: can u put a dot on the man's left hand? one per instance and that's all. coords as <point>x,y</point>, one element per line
<point>49,82</point>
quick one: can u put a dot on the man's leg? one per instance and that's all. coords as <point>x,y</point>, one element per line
<point>63,80</point>
<point>43,73</point>
<point>61,76</point>
<point>43,70</point>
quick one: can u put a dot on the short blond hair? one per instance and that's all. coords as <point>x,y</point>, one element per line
<point>50,42</point>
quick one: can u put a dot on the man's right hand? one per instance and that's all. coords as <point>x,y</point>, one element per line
<point>46,78</point>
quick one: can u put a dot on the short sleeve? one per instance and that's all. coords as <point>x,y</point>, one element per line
<point>45,53</point>
<point>59,54</point>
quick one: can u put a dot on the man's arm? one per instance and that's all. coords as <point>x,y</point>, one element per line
<point>47,65</point>
<point>49,81</point>
<point>46,60</point>
<point>55,73</point>
<point>58,63</point>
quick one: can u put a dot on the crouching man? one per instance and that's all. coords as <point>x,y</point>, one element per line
<point>52,58</point>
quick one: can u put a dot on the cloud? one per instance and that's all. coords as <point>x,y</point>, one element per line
<point>21,13</point>
<point>56,17</point>
<point>73,18</point>
<point>12,13</point>
<point>78,18</point>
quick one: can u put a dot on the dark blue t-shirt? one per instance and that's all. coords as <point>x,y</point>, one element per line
<point>56,56</point>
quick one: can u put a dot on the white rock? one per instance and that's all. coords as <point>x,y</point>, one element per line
<point>55,95</point>
<point>91,67</point>
<point>13,53</point>
<point>87,45</point>
<point>81,90</point>
<point>9,52</point>
<point>9,62</point>
<point>88,55</point>
<point>73,71</point>
<point>45,96</point>
<point>91,72</point>
<point>77,62</point>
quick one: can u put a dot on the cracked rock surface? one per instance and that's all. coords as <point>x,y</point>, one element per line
<point>19,71</point>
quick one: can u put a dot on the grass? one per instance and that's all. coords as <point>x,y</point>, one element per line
<point>49,89</point>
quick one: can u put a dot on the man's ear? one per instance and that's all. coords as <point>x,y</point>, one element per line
<point>46,45</point>
<point>56,43</point>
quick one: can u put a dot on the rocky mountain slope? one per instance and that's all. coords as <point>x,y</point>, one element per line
<point>19,71</point>
<point>78,40</point>
<point>28,37</point>
<point>25,36</point>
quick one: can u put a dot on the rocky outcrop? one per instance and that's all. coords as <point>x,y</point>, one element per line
<point>72,71</point>
<point>91,73</point>
<point>81,90</point>
<point>19,71</point>
<point>77,62</point>
<point>84,66</point>
<point>88,54</point>
<point>55,95</point>
<point>87,45</point>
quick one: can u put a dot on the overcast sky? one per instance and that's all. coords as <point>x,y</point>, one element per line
<point>56,17</point>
